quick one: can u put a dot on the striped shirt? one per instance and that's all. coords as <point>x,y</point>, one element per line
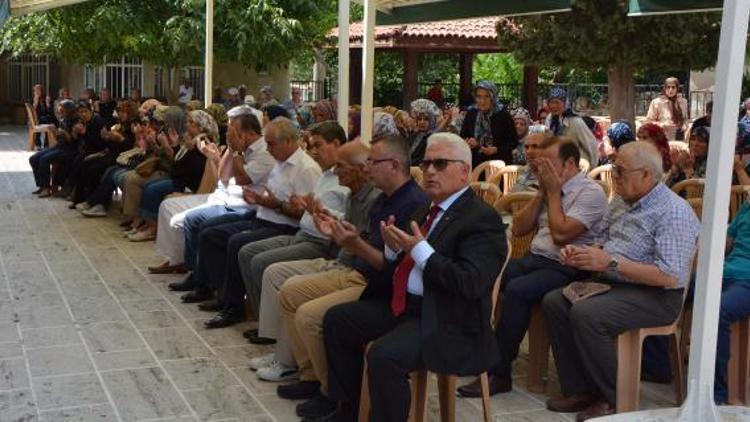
<point>660,229</point>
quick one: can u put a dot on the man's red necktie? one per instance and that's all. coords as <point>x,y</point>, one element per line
<point>401,275</point>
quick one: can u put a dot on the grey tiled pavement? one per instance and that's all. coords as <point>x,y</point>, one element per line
<point>87,335</point>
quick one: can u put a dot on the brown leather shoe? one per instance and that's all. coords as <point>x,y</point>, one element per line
<point>166,268</point>
<point>497,384</point>
<point>574,403</point>
<point>598,409</point>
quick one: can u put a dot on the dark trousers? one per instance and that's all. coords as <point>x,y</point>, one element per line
<point>219,246</point>
<point>92,173</point>
<point>203,218</point>
<point>64,164</point>
<point>41,163</point>
<point>525,282</point>
<point>396,351</point>
<point>735,305</point>
<point>584,335</point>
<point>103,193</point>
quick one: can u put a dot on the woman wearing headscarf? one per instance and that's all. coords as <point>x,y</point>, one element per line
<point>488,127</point>
<point>619,133</point>
<point>219,113</point>
<point>425,115</point>
<point>669,110</point>
<point>521,121</point>
<point>383,125</point>
<point>187,165</point>
<point>324,110</point>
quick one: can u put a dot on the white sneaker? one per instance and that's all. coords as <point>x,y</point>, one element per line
<point>95,211</point>
<point>262,361</point>
<point>277,372</point>
<point>83,206</point>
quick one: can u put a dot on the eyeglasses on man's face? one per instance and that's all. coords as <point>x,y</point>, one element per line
<point>439,164</point>
<point>619,171</point>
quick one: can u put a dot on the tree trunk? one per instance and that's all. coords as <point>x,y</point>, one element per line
<point>174,76</point>
<point>621,96</point>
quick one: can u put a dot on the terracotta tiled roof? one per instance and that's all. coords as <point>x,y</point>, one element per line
<point>478,28</point>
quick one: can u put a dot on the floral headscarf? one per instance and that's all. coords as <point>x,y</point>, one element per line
<point>620,133</point>
<point>194,105</point>
<point>326,108</point>
<point>428,108</point>
<point>206,123</point>
<point>219,113</point>
<point>483,127</point>
<point>383,125</point>
<point>173,118</point>
<point>521,113</point>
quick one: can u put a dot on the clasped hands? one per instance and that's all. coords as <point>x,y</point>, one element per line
<point>587,258</point>
<point>398,240</point>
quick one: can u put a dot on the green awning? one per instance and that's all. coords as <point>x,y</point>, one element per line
<point>392,12</point>
<point>648,7</point>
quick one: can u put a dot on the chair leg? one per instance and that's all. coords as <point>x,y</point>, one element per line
<point>364,396</point>
<point>419,396</point>
<point>487,411</point>
<point>538,352</point>
<point>30,144</point>
<point>734,378</point>
<point>677,368</point>
<point>744,356</point>
<point>447,394</point>
<point>628,370</point>
<point>685,326</point>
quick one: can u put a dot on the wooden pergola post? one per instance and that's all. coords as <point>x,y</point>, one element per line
<point>466,77</point>
<point>355,76</point>
<point>530,95</point>
<point>411,77</point>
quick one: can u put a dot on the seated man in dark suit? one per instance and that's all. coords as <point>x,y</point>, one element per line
<point>430,307</point>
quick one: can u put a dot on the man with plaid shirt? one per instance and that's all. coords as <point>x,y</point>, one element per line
<point>644,253</point>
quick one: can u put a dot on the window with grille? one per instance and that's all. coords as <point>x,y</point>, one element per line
<point>26,71</point>
<point>120,76</point>
<point>163,78</point>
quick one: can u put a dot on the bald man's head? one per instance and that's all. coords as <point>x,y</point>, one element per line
<point>351,165</point>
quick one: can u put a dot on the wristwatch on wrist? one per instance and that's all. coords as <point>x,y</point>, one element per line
<point>238,154</point>
<point>280,207</point>
<point>613,265</point>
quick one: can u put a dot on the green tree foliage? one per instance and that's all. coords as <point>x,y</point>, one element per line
<point>170,33</point>
<point>498,67</point>
<point>598,34</point>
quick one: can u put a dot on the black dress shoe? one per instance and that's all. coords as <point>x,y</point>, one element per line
<point>317,407</point>
<point>263,341</point>
<point>253,332</point>
<point>497,383</point>
<point>210,306</point>
<point>198,295</point>
<point>301,390</point>
<point>225,318</point>
<point>186,285</point>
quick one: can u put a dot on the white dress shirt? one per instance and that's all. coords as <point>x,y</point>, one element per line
<point>332,196</point>
<point>297,175</point>
<point>422,251</point>
<point>258,166</point>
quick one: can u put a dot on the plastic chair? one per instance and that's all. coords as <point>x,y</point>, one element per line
<point>34,127</point>
<point>584,165</point>
<point>629,353</point>
<point>739,367</point>
<point>693,188</point>
<point>486,191</point>
<point>738,195</point>
<point>603,175</point>
<point>486,169</point>
<point>446,382</point>
<point>506,178</point>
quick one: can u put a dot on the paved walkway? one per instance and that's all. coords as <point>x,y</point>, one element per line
<point>87,335</point>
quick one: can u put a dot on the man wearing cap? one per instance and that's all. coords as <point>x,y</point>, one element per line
<point>563,121</point>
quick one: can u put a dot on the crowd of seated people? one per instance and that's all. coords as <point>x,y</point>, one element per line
<point>343,259</point>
